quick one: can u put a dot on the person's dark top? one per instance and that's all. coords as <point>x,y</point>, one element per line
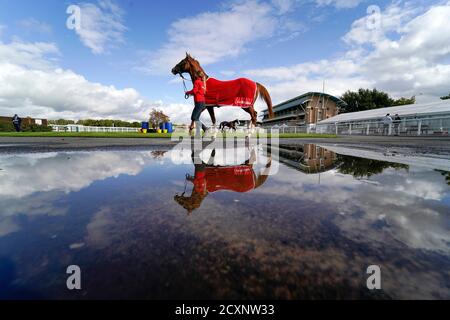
<point>16,119</point>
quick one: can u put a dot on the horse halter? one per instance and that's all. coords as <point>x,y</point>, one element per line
<point>186,96</point>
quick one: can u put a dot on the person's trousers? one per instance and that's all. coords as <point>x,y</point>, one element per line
<point>17,127</point>
<point>198,109</point>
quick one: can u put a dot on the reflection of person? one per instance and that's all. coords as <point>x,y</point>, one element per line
<point>16,122</point>
<point>209,178</point>
<point>198,92</point>
<point>387,121</point>
<point>397,121</point>
<point>199,191</point>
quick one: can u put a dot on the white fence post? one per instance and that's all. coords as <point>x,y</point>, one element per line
<point>419,128</point>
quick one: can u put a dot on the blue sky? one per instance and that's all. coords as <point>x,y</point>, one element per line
<point>118,64</point>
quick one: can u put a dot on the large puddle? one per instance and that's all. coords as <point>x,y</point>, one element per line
<point>151,224</point>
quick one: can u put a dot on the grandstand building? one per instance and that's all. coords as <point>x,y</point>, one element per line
<point>306,109</point>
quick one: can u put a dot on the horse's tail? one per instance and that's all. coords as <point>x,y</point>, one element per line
<point>264,94</point>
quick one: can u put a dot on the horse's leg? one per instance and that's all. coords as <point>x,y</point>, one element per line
<point>212,114</point>
<point>250,127</point>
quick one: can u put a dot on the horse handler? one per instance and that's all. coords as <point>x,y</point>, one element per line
<point>198,92</point>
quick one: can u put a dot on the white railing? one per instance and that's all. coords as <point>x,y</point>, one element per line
<point>436,126</point>
<point>80,128</point>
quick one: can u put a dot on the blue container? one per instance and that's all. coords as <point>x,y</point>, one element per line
<point>145,125</point>
<point>169,127</point>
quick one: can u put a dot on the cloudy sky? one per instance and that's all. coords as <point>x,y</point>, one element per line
<point>117,64</point>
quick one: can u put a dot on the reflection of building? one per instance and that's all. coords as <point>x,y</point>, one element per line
<point>308,158</point>
<point>308,108</point>
<point>26,121</point>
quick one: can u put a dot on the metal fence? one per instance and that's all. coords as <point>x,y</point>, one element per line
<point>79,128</point>
<point>436,126</point>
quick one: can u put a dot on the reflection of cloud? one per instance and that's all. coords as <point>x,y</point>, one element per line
<point>406,203</point>
<point>25,174</point>
<point>34,184</point>
<point>99,229</point>
<point>7,226</point>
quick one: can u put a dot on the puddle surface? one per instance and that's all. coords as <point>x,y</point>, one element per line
<point>140,226</point>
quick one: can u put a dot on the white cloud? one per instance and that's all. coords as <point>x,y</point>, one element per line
<point>213,36</point>
<point>283,6</point>
<point>34,25</point>
<point>28,55</point>
<point>36,86</point>
<point>102,27</point>
<point>407,55</point>
<point>340,4</point>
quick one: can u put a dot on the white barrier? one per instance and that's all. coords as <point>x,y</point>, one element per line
<point>436,126</point>
<point>81,128</point>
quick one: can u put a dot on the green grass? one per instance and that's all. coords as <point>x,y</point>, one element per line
<point>141,135</point>
<point>85,134</point>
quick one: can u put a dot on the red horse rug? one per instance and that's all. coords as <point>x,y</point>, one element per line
<point>236,178</point>
<point>240,92</point>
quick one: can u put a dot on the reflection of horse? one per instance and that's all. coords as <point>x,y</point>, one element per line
<point>209,178</point>
<point>219,93</point>
<point>230,125</point>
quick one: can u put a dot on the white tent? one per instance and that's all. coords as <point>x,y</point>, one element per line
<point>425,110</point>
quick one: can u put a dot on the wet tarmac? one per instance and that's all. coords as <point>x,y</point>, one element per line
<point>302,222</point>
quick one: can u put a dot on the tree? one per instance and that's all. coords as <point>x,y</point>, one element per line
<point>108,123</point>
<point>61,122</point>
<point>157,117</point>
<point>447,97</point>
<point>364,168</point>
<point>367,99</point>
<point>404,101</point>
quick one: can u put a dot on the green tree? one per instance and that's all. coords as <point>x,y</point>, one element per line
<point>61,122</point>
<point>367,99</point>
<point>108,123</point>
<point>404,101</point>
<point>446,175</point>
<point>157,117</point>
<point>364,168</point>
<point>447,97</point>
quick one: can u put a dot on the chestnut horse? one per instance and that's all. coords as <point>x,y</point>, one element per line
<point>192,67</point>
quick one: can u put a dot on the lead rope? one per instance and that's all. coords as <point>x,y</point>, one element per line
<point>186,96</point>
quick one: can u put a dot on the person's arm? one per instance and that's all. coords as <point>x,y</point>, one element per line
<point>196,88</point>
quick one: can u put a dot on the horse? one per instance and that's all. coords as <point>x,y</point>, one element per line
<point>230,125</point>
<point>192,67</point>
<point>209,178</point>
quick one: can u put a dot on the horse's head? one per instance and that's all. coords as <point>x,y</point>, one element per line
<point>183,66</point>
<point>188,65</point>
<point>237,122</point>
<point>190,203</point>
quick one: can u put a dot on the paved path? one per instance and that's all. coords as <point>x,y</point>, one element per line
<point>423,145</point>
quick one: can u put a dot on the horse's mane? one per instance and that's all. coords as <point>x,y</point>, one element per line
<point>194,63</point>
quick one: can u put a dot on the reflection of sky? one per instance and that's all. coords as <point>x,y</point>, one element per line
<point>408,202</point>
<point>102,208</point>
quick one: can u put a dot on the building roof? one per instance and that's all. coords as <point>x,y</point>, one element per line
<point>436,108</point>
<point>303,98</point>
